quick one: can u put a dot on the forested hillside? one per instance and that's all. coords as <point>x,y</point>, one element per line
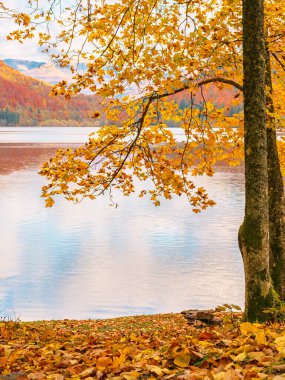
<point>26,101</point>
<point>221,96</point>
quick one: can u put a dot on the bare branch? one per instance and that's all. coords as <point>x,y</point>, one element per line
<point>279,61</point>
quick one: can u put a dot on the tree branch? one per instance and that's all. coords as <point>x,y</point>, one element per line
<point>221,80</point>
<point>139,123</point>
<point>278,60</point>
<point>201,83</point>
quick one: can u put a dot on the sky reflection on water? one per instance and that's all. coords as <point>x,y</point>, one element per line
<point>94,261</point>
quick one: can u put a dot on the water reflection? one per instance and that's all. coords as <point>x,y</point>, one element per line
<point>92,260</point>
<point>14,157</point>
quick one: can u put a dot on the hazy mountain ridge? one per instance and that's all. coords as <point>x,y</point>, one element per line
<point>47,72</point>
<point>22,64</point>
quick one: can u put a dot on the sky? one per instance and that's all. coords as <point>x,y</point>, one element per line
<point>10,49</point>
<point>29,50</point>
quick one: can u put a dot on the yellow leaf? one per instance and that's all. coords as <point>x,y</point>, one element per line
<point>49,202</point>
<point>155,369</point>
<point>26,19</point>
<point>240,357</point>
<point>55,377</point>
<point>280,344</point>
<point>256,355</point>
<point>118,361</point>
<point>221,376</point>
<point>260,337</point>
<point>248,328</point>
<point>131,376</point>
<point>182,360</point>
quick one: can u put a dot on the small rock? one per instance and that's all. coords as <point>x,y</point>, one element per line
<point>205,316</point>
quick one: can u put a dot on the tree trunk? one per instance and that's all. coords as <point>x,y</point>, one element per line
<point>254,232</point>
<point>276,196</point>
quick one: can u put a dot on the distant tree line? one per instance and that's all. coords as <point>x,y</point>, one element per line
<point>232,109</point>
<point>9,118</point>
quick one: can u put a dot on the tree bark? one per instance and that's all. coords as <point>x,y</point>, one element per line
<point>254,232</point>
<point>276,195</point>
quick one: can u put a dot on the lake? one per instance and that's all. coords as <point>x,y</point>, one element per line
<point>95,261</point>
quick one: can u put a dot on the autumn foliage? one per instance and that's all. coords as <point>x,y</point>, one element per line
<point>143,347</point>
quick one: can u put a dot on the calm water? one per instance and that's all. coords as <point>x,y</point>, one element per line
<point>93,261</point>
<point>47,135</point>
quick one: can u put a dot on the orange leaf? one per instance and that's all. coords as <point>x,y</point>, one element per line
<point>105,361</point>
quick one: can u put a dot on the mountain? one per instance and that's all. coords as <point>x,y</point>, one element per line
<point>22,64</point>
<point>26,101</point>
<point>46,71</point>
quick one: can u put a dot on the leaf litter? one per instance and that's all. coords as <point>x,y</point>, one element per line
<point>143,347</point>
